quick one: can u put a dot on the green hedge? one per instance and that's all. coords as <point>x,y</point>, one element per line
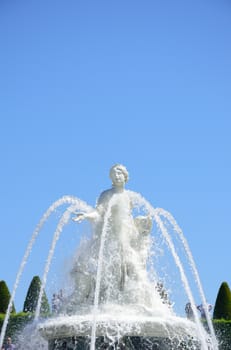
<point>223,333</point>
<point>16,323</point>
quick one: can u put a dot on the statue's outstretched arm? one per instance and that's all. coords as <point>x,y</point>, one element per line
<point>95,214</point>
<point>92,216</point>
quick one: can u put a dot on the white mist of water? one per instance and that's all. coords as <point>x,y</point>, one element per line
<point>63,221</point>
<point>184,281</point>
<point>140,201</point>
<point>176,227</point>
<point>99,273</point>
<point>78,205</point>
<point>63,200</point>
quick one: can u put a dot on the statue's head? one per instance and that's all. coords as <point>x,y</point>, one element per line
<point>119,168</point>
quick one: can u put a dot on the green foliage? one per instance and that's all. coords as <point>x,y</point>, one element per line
<point>16,323</point>
<point>223,333</point>
<point>4,298</point>
<point>222,309</point>
<point>32,296</point>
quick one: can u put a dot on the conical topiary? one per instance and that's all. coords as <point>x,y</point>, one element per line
<point>4,298</point>
<point>222,309</point>
<point>32,296</point>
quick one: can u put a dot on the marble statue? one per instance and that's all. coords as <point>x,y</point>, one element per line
<point>126,248</point>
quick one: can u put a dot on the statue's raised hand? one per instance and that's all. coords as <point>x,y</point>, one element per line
<point>92,216</point>
<point>79,217</point>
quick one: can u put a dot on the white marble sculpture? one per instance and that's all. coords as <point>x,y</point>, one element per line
<point>126,248</point>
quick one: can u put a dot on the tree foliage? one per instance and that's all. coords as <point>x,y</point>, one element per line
<point>5,298</point>
<point>222,309</point>
<point>32,297</point>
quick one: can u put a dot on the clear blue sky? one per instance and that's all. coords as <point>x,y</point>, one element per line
<point>86,84</point>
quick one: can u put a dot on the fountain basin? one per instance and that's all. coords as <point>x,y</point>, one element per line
<point>124,327</point>
<point>68,326</point>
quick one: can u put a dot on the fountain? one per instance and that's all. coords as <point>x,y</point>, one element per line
<point>117,300</point>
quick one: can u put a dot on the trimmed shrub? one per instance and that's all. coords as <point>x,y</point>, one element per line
<point>16,322</point>
<point>32,296</point>
<point>4,298</point>
<point>222,309</point>
<point>223,333</point>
